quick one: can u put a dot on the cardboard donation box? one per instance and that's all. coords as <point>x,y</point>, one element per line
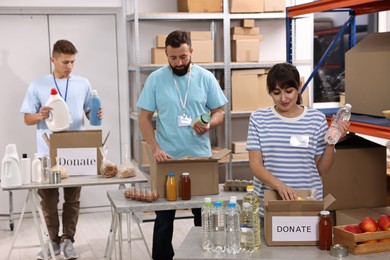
<point>78,151</point>
<point>203,173</point>
<point>292,222</point>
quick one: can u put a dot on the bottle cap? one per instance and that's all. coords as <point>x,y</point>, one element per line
<point>207,199</point>
<point>233,199</point>
<point>324,213</point>
<point>53,91</point>
<point>94,92</point>
<point>249,188</point>
<point>217,204</point>
<point>24,155</point>
<point>185,174</point>
<point>205,118</point>
<point>171,174</point>
<point>232,205</point>
<point>348,105</point>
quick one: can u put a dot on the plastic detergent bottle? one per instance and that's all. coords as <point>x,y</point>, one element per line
<point>95,105</point>
<point>10,168</point>
<point>25,169</point>
<point>59,118</point>
<point>36,170</point>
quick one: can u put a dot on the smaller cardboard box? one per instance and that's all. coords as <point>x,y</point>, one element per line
<point>244,31</point>
<point>248,23</point>
<point>159,56</point>
<point>78,151</point>
<point>245,50</point>
<point>239,147</point>
<point>199,6</point>
<point>246,6</point>
<point>160,40</point>
<point>274,5</point>
<point>203,173</point>
<point>200,35</point>
<point>203,51</point>
<point>292,222</point>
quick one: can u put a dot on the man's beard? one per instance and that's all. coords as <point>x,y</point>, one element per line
<point>181,72</point>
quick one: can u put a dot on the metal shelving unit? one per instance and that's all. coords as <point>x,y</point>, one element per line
<point>367,125</point>
<point>136,67</point>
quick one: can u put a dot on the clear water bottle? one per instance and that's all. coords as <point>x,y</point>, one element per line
<point>247,239</point>
<point>232,229</point>
<point>218,224</point>
<point>254,201</point>
<point>206,224</point>
<point>95,105</point>
<point>333,134</point>
<point>234,200</point>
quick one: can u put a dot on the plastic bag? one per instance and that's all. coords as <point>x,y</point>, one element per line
<point>108,169</point>
<point>127,169</point>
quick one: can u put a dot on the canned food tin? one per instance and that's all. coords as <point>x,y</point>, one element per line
<point>339,250</point>
<point>54,177</point>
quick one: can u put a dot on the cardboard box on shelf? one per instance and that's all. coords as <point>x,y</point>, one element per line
<point>240,156</point>
<point>244,31</point>
<point>247,37</point>
<point>246,6</point>
<point>78,151</point>
<point>249,91</point>
<point>248,23</point>
<point>200,35</point>
<point>366,68</point>
<point>292,222</point>
<point>199,6</point>
<point>159,56</point>
<point>274,5</point>
<point>357,178</point>
<point>245,50</point>
<point>160,40</point>
<point>203,172</point>
<point>203,51</point>
<point>239,147</point>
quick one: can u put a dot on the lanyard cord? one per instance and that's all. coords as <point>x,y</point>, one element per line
<point>66,89</point>
<point>183,104</point>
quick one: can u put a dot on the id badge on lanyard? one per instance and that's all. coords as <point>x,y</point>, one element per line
<point>299,141</point>
<point>184,120</point>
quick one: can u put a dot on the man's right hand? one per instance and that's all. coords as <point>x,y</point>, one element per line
<point>44,112</point>
<point>160,155</point>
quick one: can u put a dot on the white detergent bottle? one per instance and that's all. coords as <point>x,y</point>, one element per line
<point>10,168</point>
<point>36,170</point>
<point>59,118</point>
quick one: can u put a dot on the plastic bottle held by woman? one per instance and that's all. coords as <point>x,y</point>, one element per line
<point>232,229</point>
<point>171,187</point>
<point>95,105</point>
<point>206,224</point>
<point>247,239</point>
<point>36,170</point>
<point>325,231</point>
<point>59,119</point>
<point>25,169</point>
<point>333,134</point>
<point>218,224</point>
<point>185,185</point>
<point>10,168</point>
<point>254,201</point>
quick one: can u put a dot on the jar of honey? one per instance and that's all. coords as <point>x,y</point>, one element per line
<point>185,185</point>
<point>325,231</point>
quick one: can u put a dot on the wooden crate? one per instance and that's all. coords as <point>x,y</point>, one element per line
<point>357,243</point>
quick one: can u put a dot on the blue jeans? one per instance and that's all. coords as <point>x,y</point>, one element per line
<point>163,231</point>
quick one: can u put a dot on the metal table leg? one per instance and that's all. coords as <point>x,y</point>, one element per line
<point>11,211</point>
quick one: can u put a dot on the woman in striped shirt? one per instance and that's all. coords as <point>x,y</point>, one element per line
<point>286,143</point>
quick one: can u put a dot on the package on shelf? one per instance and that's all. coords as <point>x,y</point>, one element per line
<point>249,91</point>
<point>78,151</point>
<point>274,6</point>
<point>239,147</point>
<point>158,56</point>
<point>199,6</point>
<point>245,50</point>
<point>367,64</point>
<point>246,6</point>
<point>248,23</point>
<point>203,51</point>
<point>244,156</point>
<point>357,178</point>
<point>160,40</point>
<point>203,171</point>
<point>292,222</point>
<point>238,30</point>
<point>200,35</point>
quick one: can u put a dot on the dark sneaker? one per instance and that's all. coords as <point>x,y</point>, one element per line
<point>56,247</point>
<point>68,250</point>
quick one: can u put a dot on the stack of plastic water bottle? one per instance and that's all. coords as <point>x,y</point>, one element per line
<point>228,228</point>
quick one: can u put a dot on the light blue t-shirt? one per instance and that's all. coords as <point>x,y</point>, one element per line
<point>271,133</point>
<point>160,94</point>
<point>77,99</point>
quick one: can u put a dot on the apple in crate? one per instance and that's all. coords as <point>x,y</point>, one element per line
<point>368,224</point>
<point>384,223</point>
<point>353,229</point>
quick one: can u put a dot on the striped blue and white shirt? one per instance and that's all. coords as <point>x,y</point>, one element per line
<point>271,133</point>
